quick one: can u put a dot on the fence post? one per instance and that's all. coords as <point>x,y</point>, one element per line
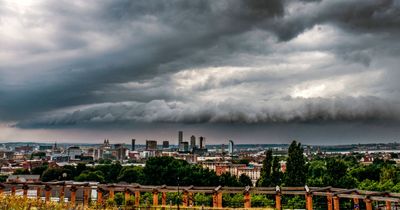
<point>86,191</point>
<point>336,204</point>
<point>155,198</point>
<point>164,198</point>
<point>356,204</point>
<point>368,203</point>
<point>137,198</point>
<point>62,192</point>
<point>219,199</point>
<point>47,193</point>
<point>99,196</point>
<point>247,200</point>
<point>13,189</point>
<point>25,187</point>
<point>38,193</point>
<point>73,190</point>
<point>127,194</point>
<point>309,201</point>
<point>388,205</point>
<point>329,201</point>
<point>278,199</point>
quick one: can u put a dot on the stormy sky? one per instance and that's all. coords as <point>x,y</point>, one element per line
<point>255,71</point>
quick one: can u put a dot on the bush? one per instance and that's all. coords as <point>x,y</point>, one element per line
<point>119,198</point>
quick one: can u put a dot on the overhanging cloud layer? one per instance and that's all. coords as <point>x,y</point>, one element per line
<point>73,63</point>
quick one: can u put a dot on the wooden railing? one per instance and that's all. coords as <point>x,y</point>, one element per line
<point>333,195</point>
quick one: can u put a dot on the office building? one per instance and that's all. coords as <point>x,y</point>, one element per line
<point>133,145</point>
<point>231,147</point>
<point>151,145</point>
<point>180,138</point>
<point>165,144</point>
<point>192,142</point>
<point>202,142</point>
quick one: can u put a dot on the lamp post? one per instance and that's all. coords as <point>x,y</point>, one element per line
<point>178,193</point>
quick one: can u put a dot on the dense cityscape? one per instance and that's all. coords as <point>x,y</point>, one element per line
<point>192,162</point>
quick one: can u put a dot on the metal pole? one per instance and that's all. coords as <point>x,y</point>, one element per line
<point>178,194</point>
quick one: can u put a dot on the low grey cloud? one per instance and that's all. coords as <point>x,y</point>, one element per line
<point>83,63</point>
<point>229,111</point>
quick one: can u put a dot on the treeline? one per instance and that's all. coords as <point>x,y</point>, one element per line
<point>340,171</point>
<point>158,171</point>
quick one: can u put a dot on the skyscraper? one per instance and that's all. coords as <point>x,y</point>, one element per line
<point>231,147</point>
<point>151,145</point>
<point>180,138</point>
<point>165,145</point>
<point>202,142</point>
<point>192,142</point>
<point>133,145</point>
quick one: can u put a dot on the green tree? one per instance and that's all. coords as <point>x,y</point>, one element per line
<point>226,179</point>
<point>276,174</point>
<point>21,171</point>
<point>296,170</point>
<point>131,174</point>
<point>245,180</point>
<point>265,178</point>
<point>96,176</point>
<point>39,170</point>
<point>52,174</point>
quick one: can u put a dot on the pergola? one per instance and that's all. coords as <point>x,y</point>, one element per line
<point>333,195</point>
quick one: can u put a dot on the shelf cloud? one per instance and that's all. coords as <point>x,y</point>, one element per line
<point>83,64</point>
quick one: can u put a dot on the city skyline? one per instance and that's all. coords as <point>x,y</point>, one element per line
<point>321,72</point>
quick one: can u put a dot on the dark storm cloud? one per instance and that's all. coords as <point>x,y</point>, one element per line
<point>131,61</point>
<point>231,111</point>
<point>356,15</point>
<point>189,26</point>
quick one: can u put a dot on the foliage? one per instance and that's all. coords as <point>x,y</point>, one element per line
<point>261,201</point>
<point>39,170</point>
<point>276,174</point>
<point>245,180</point>
<point>131,174</point>
<point>119,198</point>
<point>296,202</point>
<point>96,176</point>
<point>51,174</point>
<point>202,199</point>
<point>265,178</point>
<point>296,170</point>
<point>232,200</point>
<point>21,171</point>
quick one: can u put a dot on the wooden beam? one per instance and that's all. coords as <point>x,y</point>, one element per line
<point>25,191</point>
<point>86,191</point>
<point>336,204</point>
<point>164,198</point>
<point>309,201</point>
<point>73,190</point>
<point>368,204</point>
<point>278,204</point>
<point>247,200</point>
<point>47,193</point>
<point>329,201</point>
<point>155,198</point>
<point>137,198</point>
<point>99,196</point>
